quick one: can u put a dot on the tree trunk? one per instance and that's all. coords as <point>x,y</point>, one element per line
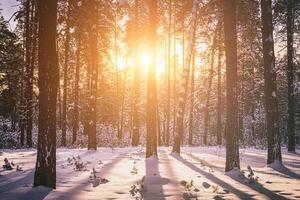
<point>45,172</point>
<point>76,89</point>
<point>151,145</point>
<point>271,106</point>
<point>231,133</point>
<point>185,81</point>
<point>66,64</point>
<point>136,86</point>
<point>290,77</point>
<point>210,78</point>
<point>93,41</point>
<point>219,91</point>
<point>191,114</point>
<point>169,76</point>
<point>28,92</point>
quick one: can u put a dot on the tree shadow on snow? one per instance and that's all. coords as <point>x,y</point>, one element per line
<point>84,183</point>
<point>285,171</point>
<point>211,177</point>
<point>153,180</point>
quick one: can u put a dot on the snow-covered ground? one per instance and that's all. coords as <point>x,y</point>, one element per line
<point>198,172</point>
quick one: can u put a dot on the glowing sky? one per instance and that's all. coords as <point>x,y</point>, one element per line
<point>8,8</point>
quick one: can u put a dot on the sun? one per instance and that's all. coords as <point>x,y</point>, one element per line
<point>145,59</point>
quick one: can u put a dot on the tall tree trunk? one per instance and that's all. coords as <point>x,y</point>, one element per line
<point>28,92</point>
<point>241,103</point>
<point>136,86</point>
<point>76,89</point>
<point>45,172</point>
<point>290,77</point>
<point>93,41</point>
<point>185,81</point>
<point>219,91</point>
<point>191,113</point>
<point>169,76</point>
<point>123,103</point>
<point>210,78</point>
<point>232,142</point>
<point>271,106</point>
<point>151,146</point>
<point>66,65</point>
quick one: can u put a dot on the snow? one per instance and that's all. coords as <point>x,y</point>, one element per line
<point>110,173</point>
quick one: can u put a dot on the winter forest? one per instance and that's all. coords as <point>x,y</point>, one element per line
<point>149,99</point>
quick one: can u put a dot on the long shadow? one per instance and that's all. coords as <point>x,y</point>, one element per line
<point>19,183</point>
<point>286,171</point>
<point>28,179</point>
<point>258,187</point>
<point>237,192</point>
<point>85,182</point>
<point>153,181</point>
<point>205,163</point>
<point>38,193</point>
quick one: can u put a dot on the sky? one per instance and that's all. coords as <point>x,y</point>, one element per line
<point>8,8</point>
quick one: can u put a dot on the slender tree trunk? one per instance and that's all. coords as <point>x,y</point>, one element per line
<point>151,146</point>
<point>169,76</point>
<point>45,172</point>
<point>123,103</point>
<point>271,106</point>
<point>66,65</point>
<point>231,133</point>
<point>93,41</point>
<point>290,77</point>
<point>241,103</point>
<point>210,78</point>
<point>191,113</point>
<point>28,91</point>
<point>76,89</point>
<point>219,90</point>
<point>185,81</point>
<point>174,74</point>
<point>136,86</point>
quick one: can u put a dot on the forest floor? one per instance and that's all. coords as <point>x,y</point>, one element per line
<point>198,172</point>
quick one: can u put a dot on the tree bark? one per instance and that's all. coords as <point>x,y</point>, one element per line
<point>151,143</point>
<point>290,77</point>
<point>66,65</point>
<point>76,89</point>
<point>45,172</point>
<point>136,86</point>
<point>271,106</point>
<point>191,114</point>
<point>231,132</point>
<point>219,91</point>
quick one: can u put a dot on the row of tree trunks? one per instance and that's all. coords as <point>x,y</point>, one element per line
<point>66,66</point>
<point>185,80</point>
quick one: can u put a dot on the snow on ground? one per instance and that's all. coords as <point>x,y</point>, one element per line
<point>198,172</point>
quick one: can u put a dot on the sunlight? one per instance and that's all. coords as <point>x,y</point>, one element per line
<point>144,59</point>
